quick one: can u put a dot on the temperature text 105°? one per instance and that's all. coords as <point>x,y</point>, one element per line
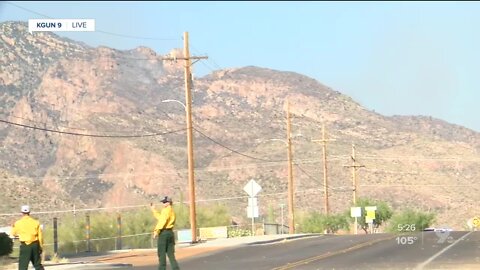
<point>406,240</point>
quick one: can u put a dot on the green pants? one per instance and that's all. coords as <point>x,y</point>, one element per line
<point>30,253</point>
<point>166,246</point>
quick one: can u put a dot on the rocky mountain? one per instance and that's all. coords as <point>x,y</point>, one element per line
<point>88,127</point>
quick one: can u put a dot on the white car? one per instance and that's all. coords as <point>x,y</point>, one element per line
<point>6,230</point>
<point>443,230</point>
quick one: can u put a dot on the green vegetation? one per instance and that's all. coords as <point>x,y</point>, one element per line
<point>137,225</point>
<point>238,232</point>
<point>137,228</point>
<point>6,245</point>
<point>410,220</point>
<point>384,212</point>
<point>213,216</point>
<point>320,223</point>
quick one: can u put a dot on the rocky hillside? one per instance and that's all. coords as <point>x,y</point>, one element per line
<point>89,126</point>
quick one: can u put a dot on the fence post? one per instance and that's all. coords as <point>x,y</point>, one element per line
<point>55,237</point>
<point>87,227</point>
<point>119,232</point>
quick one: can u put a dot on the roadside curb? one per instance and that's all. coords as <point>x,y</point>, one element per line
<point>282,239</point>
<point>84,265</point>
<point>81,265</point>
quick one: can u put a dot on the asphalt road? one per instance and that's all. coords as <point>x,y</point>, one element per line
<point>426,250</point>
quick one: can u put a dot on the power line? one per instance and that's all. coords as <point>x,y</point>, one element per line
<point>312,191</point>
<point>74,128</point>
<point>455,159</point>
<point>208,67</point>
<point>405,173</point>
<point>97,30</point>
<point>29,10</point>
<point>418,158</point>
<point>44,124</point>
<point>309,176</point>
<point>203,62</point>
<point>201,169</point>
<point>90,135</point>
<point>418,185</point>
<point>137,37</point>
<point>233,150</point>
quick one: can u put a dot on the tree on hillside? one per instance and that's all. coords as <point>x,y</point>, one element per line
<point>384,212</point>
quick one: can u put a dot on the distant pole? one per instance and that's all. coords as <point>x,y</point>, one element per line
<point>325,169</point>
<point>354,167</point>
<point>74,216</point>
<point>253,212</point>
<point>87,227</point>
<point>291,213</point>
<point>283,223</point>
<point>119,232</point>
<point>253,223</point>
<point>55,236</point>
<point>355,228</point>
<point>325,182</point>
<point>354,175</point>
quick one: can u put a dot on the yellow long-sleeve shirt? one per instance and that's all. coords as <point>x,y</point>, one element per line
<point>165,219</point>
<point>28,230</point>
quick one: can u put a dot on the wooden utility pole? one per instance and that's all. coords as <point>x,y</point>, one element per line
<point>188,110</point>
<point>354,175</point>
<point>291,213</point>
<point>354,167</point>
<point>325,174</point>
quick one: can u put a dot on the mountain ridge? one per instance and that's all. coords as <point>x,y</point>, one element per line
<point>50,82</point>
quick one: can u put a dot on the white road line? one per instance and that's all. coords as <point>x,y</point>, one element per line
<point>422,265</point>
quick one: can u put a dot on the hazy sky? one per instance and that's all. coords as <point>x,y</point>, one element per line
<point>395,58</point>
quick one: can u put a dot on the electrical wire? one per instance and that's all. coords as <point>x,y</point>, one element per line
<point>44,124</point>
<point>313,191</point>
<point>310,177</point>
<point>233,150</point>
<point>418,158</point>
<point>70,127</point>
<point>137,37</point>
<point>176,172</point>
<point>97,30</point>
<point>90,135</point>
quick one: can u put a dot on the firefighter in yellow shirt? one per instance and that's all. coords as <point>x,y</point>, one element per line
<point>164,232</point>
<point>31,240</point>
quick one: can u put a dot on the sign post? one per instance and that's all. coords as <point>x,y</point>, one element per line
<point>252,189</point>
<point>281,207</point>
